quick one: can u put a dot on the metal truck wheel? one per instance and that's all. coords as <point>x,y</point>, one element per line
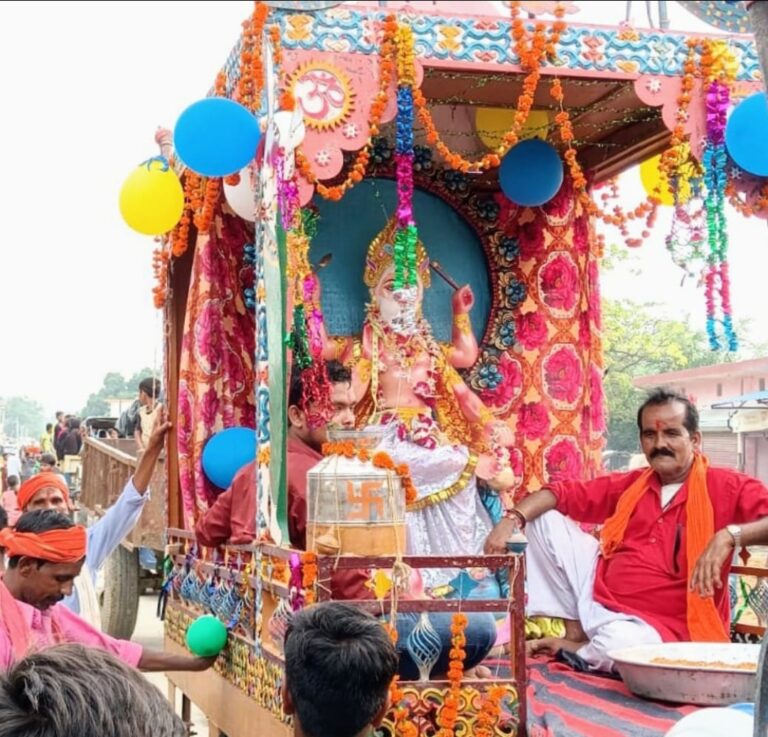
<point>120,601</point>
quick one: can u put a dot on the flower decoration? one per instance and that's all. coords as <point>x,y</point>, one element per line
<point>514,290</point>
<point>455,181</point>
<point>564,375</point>
<point>488,376</point>
<point>448,715</point>
<point>563,460</point>
<point>380,459</point>
<point>309,576</point>
<point>531,330</point>
<point>559,283</point>
<point>382,151</point>
<point>509,248</point>
<point>531,240</point>
<point>487,208</point>
<point>504,337</point>
<point>533,421</point>
<point>422,158</point>
<point>504,382</point>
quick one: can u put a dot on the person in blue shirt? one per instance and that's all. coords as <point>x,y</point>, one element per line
<point>49,491</point>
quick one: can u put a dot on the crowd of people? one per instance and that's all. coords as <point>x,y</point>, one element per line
<point>655,570</point>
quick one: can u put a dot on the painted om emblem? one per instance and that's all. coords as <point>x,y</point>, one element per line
<point>325,95</point>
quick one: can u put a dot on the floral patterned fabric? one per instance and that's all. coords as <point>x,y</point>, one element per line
<point>216,368</point>
<point>551,388</point>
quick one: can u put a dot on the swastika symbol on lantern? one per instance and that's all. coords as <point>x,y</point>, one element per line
<point>324,93</point>
<point>365,500</point>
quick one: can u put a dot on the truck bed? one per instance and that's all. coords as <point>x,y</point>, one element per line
<point>106,467</point>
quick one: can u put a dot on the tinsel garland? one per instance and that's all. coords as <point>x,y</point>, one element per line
<point>716,280</point>
<point>404,256</point>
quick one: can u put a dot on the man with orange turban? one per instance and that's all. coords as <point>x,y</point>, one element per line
<point>45,552</point>
<point>48,490</point>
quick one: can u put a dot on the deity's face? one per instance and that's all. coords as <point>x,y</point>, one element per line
<point>398,309</point>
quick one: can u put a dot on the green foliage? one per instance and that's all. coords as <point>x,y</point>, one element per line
<point>25,415</point>
<point>114,386</point>
<point>639,340</point>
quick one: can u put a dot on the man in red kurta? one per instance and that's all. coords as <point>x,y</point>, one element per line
<point>232,518</point>
<point>659,571</point>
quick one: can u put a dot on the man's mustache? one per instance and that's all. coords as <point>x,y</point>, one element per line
<point>662,452</point>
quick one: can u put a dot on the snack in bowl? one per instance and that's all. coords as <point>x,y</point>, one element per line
<point>706,674</point>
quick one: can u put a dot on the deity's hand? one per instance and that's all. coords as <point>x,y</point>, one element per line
<point>503,481</point>
<point>463,300</point>
<point>499,434</point>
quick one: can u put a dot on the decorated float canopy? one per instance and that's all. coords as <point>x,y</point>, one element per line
<point>484,135</point>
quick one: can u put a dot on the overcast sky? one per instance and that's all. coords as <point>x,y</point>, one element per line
<point>86,85</point>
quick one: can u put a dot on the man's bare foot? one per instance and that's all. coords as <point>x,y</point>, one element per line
<point>551,645</point>
<point>574,631</point>
<point>479,671</point>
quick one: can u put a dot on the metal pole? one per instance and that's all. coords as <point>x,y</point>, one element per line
<point>758,17</point>
<point>761,692</point>
<point>663,15</point>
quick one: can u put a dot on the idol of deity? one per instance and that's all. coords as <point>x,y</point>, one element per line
<point>408,381</point>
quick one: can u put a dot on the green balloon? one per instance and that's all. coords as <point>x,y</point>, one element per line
<point>206,636</point>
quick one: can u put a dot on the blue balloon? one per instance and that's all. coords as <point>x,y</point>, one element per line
<point>531,173</point>
<point>745,134</point>
<point>226,453</point>
<point>216,137</point>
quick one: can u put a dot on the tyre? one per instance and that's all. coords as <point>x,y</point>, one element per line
<point>120,600</point>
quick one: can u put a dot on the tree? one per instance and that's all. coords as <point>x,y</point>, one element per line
<point>114,386</point>
<point>24,417</point>
<point>639,340</point>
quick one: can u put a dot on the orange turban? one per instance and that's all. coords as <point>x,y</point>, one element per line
<point>43,480</point>
<point>54,546</point>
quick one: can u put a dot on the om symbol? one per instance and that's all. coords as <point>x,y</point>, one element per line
<point>325,95</point>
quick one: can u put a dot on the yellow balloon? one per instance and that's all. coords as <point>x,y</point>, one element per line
<point>652,178</point>
<point>491,123</point>
<point>537,125</point>
<point>152,198</point>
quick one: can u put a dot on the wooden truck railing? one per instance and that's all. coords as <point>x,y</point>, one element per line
<point>106,467</point>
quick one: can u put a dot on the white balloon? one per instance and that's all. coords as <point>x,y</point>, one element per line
<point>713,722</point>
<point>240,197</point>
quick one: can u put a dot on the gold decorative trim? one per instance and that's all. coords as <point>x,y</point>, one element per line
<point>449,492</point>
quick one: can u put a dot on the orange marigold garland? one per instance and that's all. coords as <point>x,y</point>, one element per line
<point>404,726</point>
<point>160,258</point>
<point>358,169</point>
<point>309,576</point>
<point>380,459</point>
<point>532,52</point>
<point>449,714</point>
<point>489,712</point>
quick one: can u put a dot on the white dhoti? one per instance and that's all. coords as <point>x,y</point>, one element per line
<point>561,561</point>
<point>455,526</point>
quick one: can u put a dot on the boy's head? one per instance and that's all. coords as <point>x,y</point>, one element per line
<point>13,482</point>
<point>149,390</point>
<point>339,664</point>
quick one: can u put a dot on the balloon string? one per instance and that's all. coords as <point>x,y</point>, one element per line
<point>160,159</point>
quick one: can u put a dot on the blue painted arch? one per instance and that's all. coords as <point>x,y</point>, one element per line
<point>345,230</point>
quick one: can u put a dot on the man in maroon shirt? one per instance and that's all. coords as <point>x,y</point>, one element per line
<point>639,593</point>
<point>232,518</point>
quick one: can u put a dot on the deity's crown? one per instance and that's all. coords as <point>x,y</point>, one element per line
<point>381,255</point>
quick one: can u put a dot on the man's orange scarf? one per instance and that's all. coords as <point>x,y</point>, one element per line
<point>704,621</point>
